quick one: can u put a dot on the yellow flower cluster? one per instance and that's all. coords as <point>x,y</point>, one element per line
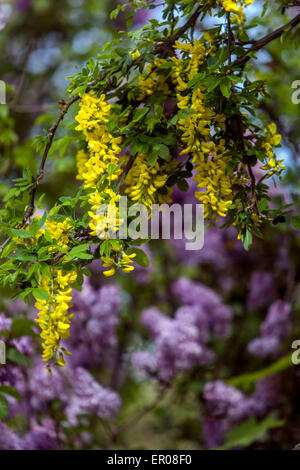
<point>53,317</point>
<point>124,262</point>
<point>81,158</point>
<point>106,221</point>
<point>249,223</point>
<point>103,148</point>
<point>236,8</point>
<point>154,82</point>
<point>273,165</point>
<point>135,55</point>
<point>59,232</point>
<point>102,159</point>
<point>143,181</point>
<point>197,52</point>
<point>209,159</point>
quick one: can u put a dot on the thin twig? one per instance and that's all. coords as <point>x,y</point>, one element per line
<point>165,47</point>
<point>135,420</point>
<point>229,32</point>
<point>266,40</point>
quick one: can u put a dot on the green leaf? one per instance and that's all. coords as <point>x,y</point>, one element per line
<point>79,252</point>
<point>22,327</point>
<point>141,258</point>
<point>247,240</point>
<point>245,380</point>
<point>162,151</point>
<point>3,407</point>
<point>196,79</point>
<point>20,233</point>
<point>152,159</point>
<point>183,185</point>
<point>12,391</point>
<point>140,113</point>
<point>225,87</point>
<point>15,356</point>
<point>40,293</point>
<point>249,431</point>
<point>296,222</point>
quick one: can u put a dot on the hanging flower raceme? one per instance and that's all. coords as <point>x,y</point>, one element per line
<point>53,317</point>
<point>144,181</point>
<point>154,82</point>
<point>273,164</point>
<point>209,156</point>
<point>100,161</point>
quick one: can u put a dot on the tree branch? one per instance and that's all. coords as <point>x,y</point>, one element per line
<point>165,47</point>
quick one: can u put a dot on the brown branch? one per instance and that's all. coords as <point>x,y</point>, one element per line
<point>229,32</point>
<point>257,45</point>
<point>165,47</point>
<point>135,420</point>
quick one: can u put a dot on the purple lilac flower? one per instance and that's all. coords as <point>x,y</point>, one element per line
<point>225,400</point>
<point>266,396</point>
<point>262,289</point>
<point>5,323</point>
<point>195,314</point>
<point>274,330</point>
<point>227,406</point>
<point>41,436</point>
<point>12,376</point>
<point>219,316</point>
<point>145,362</point>
<point>24,345</point>
<point>141,17</point>
<point>155,321</point>
<point>44,388</point>
<point>90,397</point>
<point>179,342</point>
<point>214,431</point>
<point>93,330</point>
<point>179,348</point>
<point>9,440</point>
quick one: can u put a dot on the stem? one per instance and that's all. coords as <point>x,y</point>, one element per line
<point>229,31</point>
<point>257,45</point>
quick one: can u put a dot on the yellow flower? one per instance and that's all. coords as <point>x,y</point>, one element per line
<point>110,272</point>
<point>272,164</point>
<point>53,318</point>
<point>143,181</point>
<point>135,55</point>
<point>103,154</point>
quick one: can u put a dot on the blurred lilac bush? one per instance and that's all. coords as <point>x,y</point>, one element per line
<point>217,324</point>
